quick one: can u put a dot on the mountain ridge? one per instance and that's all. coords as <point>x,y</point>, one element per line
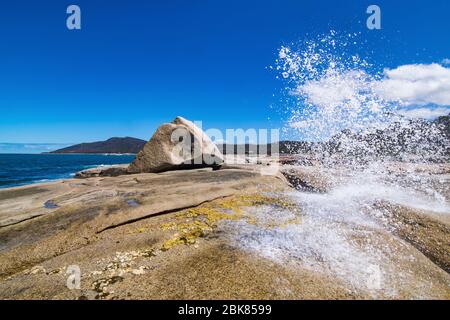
<point>133,145</point>
<point>119,145</point>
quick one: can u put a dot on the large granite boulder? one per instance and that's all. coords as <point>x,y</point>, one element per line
<point>177,145</point>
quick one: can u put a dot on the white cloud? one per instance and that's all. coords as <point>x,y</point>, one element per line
<point>342,98</point>
<point>446,61</point>
<point>337,88</point>
<point>416,84</point>
<point>425,113</point>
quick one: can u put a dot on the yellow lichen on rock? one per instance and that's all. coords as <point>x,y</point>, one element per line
<point>203,219</point>
<point>169,226</point>
<point>141,230</point>
<point>188,234</point>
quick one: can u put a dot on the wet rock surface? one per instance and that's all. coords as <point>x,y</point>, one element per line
<point>50,204</point>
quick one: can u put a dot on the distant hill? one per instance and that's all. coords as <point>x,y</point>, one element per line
<point>407,137</point>
<point>112,145</point>
<point>392,140</point>
<point>403,138</point>
<point>444,124</point>
<point>284,147</point>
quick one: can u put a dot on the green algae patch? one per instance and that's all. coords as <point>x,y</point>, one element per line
<point>194,223</point>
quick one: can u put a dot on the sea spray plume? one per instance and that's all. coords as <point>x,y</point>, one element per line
<point>345,225</point>
<point>337,103</point>
<point>399,139</point>
<point>332,88</point>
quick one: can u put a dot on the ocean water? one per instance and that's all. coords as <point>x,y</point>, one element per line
<point>22,169</point>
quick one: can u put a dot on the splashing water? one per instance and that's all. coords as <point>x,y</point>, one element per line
<point>333,89</point>
<point>344,234</point>
<point>339,100</point>
<point>337,104</point>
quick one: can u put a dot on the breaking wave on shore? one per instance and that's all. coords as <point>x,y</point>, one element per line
<point>338,98</point>
<point>357,108</point>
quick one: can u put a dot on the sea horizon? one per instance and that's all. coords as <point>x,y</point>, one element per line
<point>24,169</point>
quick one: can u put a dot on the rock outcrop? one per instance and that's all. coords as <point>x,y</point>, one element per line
<point>109,171</point>
<point>177,145</point>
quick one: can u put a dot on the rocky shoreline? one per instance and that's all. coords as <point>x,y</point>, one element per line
<point>154,236</point>
<point>231,231</point>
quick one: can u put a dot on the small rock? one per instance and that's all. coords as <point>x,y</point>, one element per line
<point>37,269</point>
<point>139,271</point>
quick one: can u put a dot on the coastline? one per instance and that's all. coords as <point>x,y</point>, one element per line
<point>91,153</point>
<point>27,169</point>
<point>133,234</point>
<point>51,181</point>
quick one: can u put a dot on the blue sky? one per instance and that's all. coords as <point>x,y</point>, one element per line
<point>135,64</point>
